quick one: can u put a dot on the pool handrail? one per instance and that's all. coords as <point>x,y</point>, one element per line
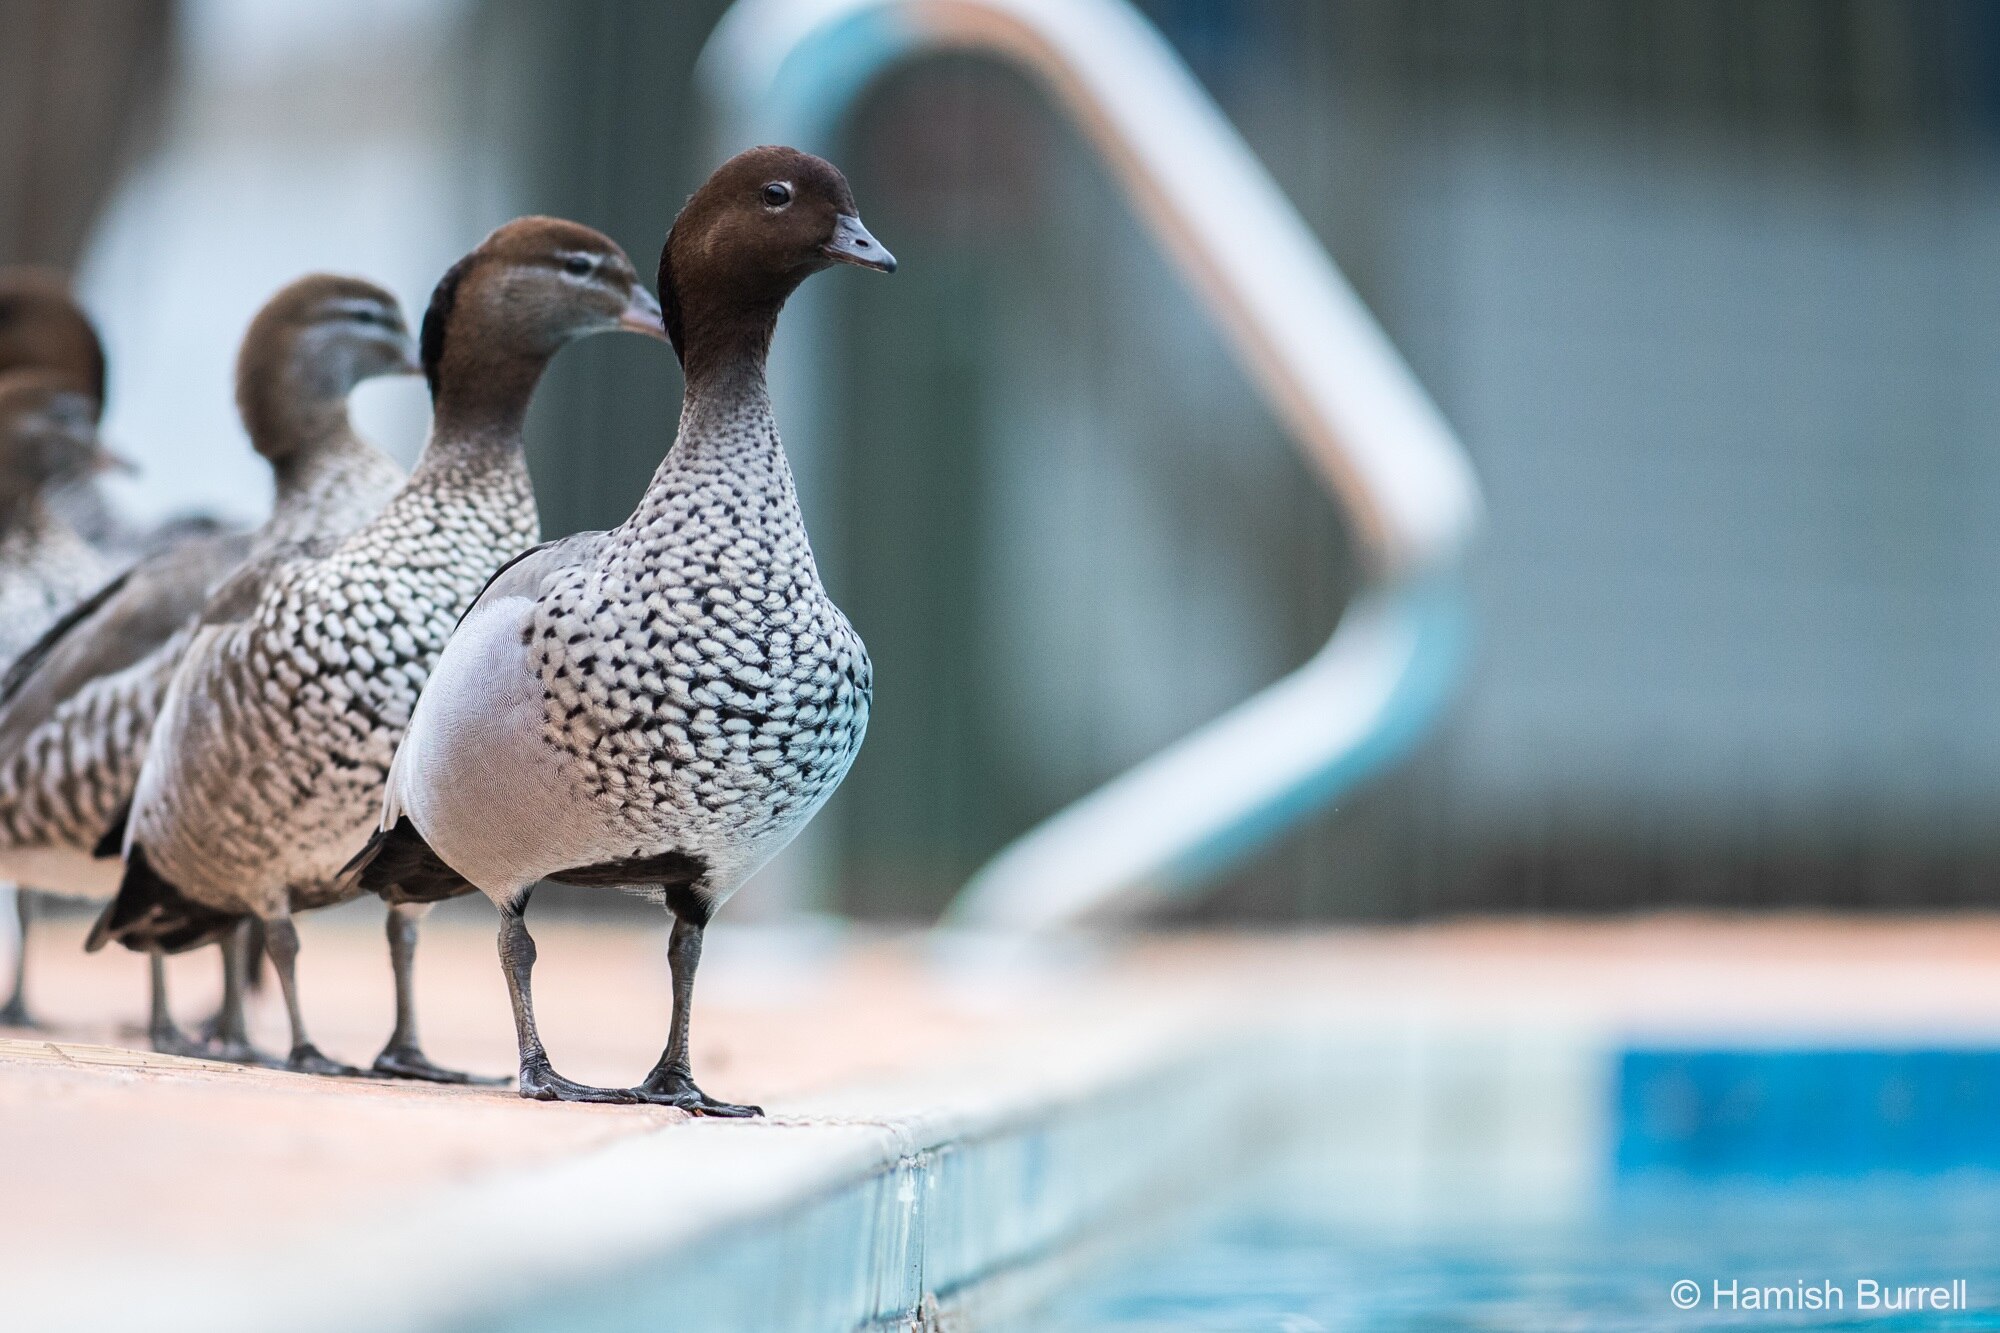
<point>790,70</point>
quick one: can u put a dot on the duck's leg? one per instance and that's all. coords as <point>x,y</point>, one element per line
<point>161,1030</point>
<point>539,1081</point>
<point>229,1033</point>
<point>671,1083</point>
<point>281,941</point>
<point>404,1056</point>
<point>15,1014</point>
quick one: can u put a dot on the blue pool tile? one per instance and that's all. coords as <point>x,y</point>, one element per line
<point>1788,1113</point>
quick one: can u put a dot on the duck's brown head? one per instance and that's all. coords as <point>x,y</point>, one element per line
<point>42,327</point>
<point>536,283</point>
<point>307,349</point>
<point>764,222</point>
<point>48,433</point>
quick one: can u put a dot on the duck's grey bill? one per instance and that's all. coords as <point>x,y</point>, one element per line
<point>851,244</point>
<point>642,315</point>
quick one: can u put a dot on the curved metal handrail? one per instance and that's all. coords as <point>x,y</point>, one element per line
<point>789,70</point>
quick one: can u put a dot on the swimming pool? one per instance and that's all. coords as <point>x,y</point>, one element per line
<point>1739,1189</point>
<point>1779,1257</point>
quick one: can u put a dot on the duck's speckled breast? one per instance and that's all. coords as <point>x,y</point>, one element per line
<point>698,683</point>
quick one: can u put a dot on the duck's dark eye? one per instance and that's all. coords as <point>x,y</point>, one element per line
<point>777,194</point>
<point>579,265</point>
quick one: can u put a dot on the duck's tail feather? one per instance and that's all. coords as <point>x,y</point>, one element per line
<point>150,914</point>
<point>399,865</point>
<point>112,843</point>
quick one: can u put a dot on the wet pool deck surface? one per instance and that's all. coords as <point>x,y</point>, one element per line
<point>123,1153</point>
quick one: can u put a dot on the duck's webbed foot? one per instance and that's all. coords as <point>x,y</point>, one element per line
<point>307,1058</point>
<point>679,1090</point>
<point>162,1033</point>
<point>15,1013</point>
<point>238,1051</point>
<point>407,1060</point>
<point>541,1083</point>
<point>226,1035</point>
<point>168,1039</point>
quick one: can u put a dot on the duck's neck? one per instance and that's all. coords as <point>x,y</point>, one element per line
<point>720,354</point>
<point>286,411</point>
<point>727,447</point>
<point>26,519</point>
<point>480,408</point>
<point>721,327</point>
<point>727,424</point>
<point>330,483</point>
<point>729,396</point>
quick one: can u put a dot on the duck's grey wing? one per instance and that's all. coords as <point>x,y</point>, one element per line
<point>230,605</point>
<point>396,862</point>
<point>24,667</point>
<point>509,595</point>
<point>237,596</point>
<point>118,626</point>
<point>469,773</point>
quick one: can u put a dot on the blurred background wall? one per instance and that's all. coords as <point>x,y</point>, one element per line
<point>81,83</point>
<point>1708,287</point>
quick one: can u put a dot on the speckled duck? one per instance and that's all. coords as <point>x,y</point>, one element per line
<point>75,714</point>
<point>48,438</point>
<point>41,328</point>
<point>665,705</point>
<point>266,766</point>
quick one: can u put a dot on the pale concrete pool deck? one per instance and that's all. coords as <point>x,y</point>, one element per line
<point>120,1164</point>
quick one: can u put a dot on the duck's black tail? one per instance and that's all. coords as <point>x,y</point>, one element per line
<point>400,866</point>
<point>151,914</point>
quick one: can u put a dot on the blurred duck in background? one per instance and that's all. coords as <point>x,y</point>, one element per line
<point>76,711</point>
<point>42,327</point>
<point>48,438</point>
<point>661,707</point>
<point>265,768</point>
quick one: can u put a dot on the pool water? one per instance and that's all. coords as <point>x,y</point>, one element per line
<point>1267,1264</point>
<point>1792,1178</point>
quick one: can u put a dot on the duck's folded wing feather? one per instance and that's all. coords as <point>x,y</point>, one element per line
<point>468,772</point>
<point>116,627</point>
<point>231,604</point>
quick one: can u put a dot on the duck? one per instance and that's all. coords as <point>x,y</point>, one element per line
<point>265,767</point>
<point>42,327</point>
<point>663,706</point>
<point>77,710</point>
<point>48,439</point>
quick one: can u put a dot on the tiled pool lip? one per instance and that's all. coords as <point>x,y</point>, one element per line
<point>843,1211</point>
<point>1466,1077</point>
<point>972,1189</point>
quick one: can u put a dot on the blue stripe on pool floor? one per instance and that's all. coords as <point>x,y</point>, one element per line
<point>1790,1113</point>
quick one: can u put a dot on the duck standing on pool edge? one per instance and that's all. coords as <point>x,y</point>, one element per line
<point>663,706</point>
<point>265,766</point>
